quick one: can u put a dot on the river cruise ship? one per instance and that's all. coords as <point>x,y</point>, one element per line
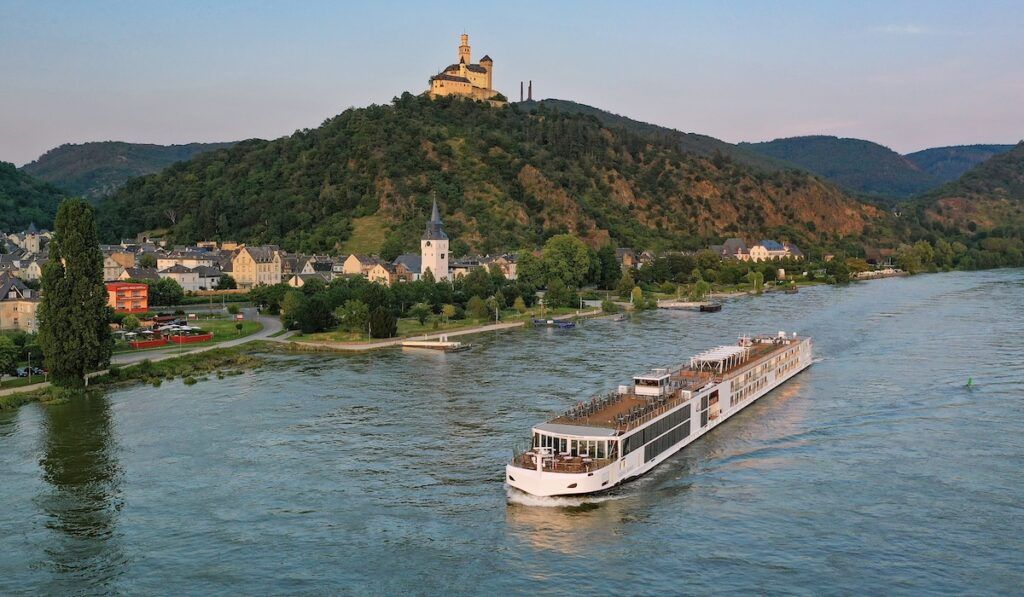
<point>611,439</point>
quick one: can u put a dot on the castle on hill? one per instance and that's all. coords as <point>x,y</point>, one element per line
<point>465,78</point>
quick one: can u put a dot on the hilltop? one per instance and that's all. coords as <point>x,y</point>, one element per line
<point>986,198</point>
<point>25,200</point>
<point>505,178</point>
<point>94,170</point>
<point>691,142</point>
<point>858,166</point>
<point>947,164</point>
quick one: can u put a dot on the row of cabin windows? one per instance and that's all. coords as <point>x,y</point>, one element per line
<point>581,447</point>
<point>652,431</point>
<point>666,441</point>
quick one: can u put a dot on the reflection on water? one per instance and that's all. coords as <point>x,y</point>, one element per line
<point>874,471</point>
<point>79,463</point>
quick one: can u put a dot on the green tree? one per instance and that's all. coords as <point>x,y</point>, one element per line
<point>756,280</point>
<point>315,315</point>
<point>626,284</point>
<point>392,247</point>
<point>226,282</point>
<point>519,305</point>
<point>420,311</point>
<point>700,290</point>
<point>292,308</point>
<point>73,314</point>
<point>353,315</point>
<point>147,260</point>
<point>165,292</point>
<point>530,269</point>
<point>448,311</point>
<point>8,356</point>
<point>234,309</point>
<point>566,257</point>
<point>383,324</point>
<point>476,307</point>
<point>130,323</point>
<point>559,295</point>
<point>609,307</point>
<point>609,270</point>
<point>637,298</point>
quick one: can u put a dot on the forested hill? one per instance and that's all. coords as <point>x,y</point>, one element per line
<point>93,170</point>
<point>947,164</point>
<point>25,200</point>
<point>692,142</point>
<point>505,178</point>
<point>858,166</point>
<point>986,198</point>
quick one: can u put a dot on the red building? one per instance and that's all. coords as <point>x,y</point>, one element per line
<point>128,297</point>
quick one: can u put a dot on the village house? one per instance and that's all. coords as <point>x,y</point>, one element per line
<point>627,258</point>
<point>139,273</point>
<point>128,297</point>
<point>189,259</point>
<point>32,269</point>
<point>186,277</point>
<point>209,277</point>
<point>412,263</point>
<point>253,266</point>
<point>18,305</point>
<point>355,264</point>
<point>300,280</point>
<point>770,250</point>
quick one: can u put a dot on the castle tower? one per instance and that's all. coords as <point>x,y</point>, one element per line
<point>488,64</point>
<point>434,247</point>
<point>464,56</point>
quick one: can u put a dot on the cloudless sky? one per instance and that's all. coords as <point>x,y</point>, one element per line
<point>909,75</point>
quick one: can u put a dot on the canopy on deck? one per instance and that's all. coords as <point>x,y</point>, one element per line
<point>721,358</point>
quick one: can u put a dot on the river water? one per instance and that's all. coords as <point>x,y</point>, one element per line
<point>876,470</point>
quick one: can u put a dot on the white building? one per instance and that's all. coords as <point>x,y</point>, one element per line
<point>434,247</point>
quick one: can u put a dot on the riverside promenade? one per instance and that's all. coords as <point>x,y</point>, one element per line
<point>271,325</point>
<point>391,342</point>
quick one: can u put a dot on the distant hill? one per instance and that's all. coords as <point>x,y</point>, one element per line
<point>858,166</point>
<point>505,178</point>
<point>947,164</point>
<point>93,170</point>
<point>25,200</point>
<point>692,142</point>
<point>987,197</point>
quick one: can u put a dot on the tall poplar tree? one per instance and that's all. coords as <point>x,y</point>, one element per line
<point>74,332</point>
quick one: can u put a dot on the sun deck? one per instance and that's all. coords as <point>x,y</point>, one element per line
<point>624,411</point>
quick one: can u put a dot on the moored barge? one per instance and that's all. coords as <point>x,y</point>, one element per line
<point>611,439</point>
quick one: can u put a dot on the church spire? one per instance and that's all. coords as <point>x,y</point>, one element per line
<point>435,227</point>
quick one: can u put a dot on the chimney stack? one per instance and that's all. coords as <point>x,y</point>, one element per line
<point>529,91</point>
<point>520,91</point>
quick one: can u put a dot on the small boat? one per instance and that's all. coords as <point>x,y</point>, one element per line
<point>619,317</point>
<point>791,289</point>
<point>554,323</point>
<point>710,307</point>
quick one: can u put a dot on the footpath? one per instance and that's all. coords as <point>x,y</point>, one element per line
<point>390,342</point>
<point>271,325</point>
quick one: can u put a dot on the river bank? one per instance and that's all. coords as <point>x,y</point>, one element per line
<point>392,342</point>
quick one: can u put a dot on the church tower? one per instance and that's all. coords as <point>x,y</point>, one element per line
<point>464,57</point>
<point>434,245</point>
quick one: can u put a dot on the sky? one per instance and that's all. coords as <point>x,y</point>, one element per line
<point>908,75</point>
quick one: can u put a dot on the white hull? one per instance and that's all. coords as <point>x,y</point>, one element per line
<point>632,465</point>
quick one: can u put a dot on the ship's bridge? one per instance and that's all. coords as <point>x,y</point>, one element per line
<point>655,384</point>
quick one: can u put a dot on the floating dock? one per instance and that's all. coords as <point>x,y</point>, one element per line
<point>443,345</point>
<point>705,306</point>
<point>554,323</point>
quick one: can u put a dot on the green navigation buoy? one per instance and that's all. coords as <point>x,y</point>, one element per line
<point>970,381</point>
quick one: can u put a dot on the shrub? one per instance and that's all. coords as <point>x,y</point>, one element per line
<point>609,307</point>
<point>189,381</point>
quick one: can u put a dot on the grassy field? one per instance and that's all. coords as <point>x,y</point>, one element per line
<point>367,235</point>
<point>409,327</point>
<point>223,330</point>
